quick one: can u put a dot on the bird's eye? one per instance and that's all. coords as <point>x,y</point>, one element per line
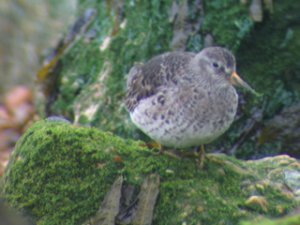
<point>216,65</point>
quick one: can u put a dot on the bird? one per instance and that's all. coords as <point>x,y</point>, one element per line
<point>185,99</point>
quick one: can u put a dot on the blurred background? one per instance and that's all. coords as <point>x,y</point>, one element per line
<point>29,29</point>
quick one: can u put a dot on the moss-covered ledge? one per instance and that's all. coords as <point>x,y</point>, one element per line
<point>60,173</point>
<point>287,220</point>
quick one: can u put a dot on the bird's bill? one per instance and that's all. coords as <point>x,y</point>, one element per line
<point>236,80</point>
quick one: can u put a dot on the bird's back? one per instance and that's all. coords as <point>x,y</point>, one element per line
<point>148,79</point>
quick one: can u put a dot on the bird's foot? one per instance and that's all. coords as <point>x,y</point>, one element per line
<point>172,153</point>
<point>162,151</point>
<point>155,146</point>
<point>200,151</point>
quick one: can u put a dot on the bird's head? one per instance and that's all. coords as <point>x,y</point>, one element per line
<point>220,64</point>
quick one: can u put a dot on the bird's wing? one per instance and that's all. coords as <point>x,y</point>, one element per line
<point>147,80</point>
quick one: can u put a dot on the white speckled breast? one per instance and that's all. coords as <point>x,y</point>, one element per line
<point>186,116</point>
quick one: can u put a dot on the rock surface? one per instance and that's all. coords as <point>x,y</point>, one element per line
<point>60,174</point>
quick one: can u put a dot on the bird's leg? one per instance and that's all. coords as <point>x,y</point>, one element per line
<point>171,153</point>
<point>201,156</point>
<point>157,146</point>
<point>161,149</point>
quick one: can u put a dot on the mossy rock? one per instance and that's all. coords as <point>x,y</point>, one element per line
<point>60,173</point>
<point>288,220</point>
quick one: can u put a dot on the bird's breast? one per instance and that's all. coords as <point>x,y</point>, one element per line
<point>186,116</point>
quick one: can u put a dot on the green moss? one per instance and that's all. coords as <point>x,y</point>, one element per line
<point>147,32</point>
<point>289,220</point>
<point>228,21</point>
<point>60,173</point>
<point>54,172</point>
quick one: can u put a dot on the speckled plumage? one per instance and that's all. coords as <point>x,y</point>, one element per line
<point>183,99</point>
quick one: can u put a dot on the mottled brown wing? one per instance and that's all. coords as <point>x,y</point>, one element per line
<point>148,79</point>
